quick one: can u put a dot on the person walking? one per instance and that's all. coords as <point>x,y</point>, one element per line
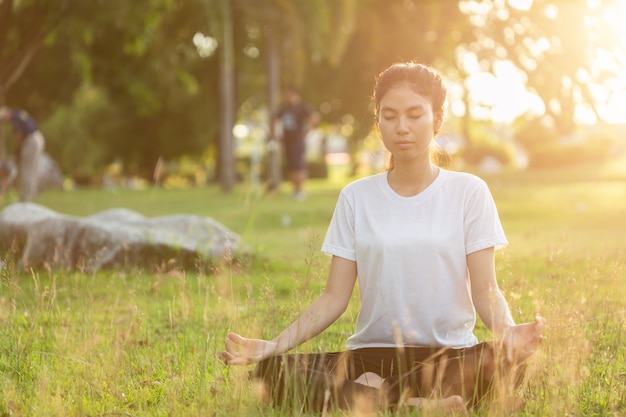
<point>29,146</point>
<point>294,118</point>
<point>421,241</point>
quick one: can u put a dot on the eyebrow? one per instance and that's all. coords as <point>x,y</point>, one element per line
<point>412,108</point>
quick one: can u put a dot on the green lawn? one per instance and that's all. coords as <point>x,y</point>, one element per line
<point>134,343</point>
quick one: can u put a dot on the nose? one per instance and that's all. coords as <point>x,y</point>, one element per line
<point>402,127</point>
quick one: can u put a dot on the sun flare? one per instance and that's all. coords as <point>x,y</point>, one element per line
<point>501,94</point>
<point>610,58</point>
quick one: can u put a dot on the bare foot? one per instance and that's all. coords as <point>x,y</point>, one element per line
<point>523,340</point>
<point>370,379</point>
<point>452,404</point>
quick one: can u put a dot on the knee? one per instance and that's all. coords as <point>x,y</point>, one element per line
<point>455,402</point>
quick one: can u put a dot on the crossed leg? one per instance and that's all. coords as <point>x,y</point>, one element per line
<point>452,403</point>
<point>461,378</point>
<point>471,376</point>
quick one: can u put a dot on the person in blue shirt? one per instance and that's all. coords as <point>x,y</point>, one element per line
<point>295,118</point>
<point>29,146</point>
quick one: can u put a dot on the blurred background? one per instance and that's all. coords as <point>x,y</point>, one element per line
<point>179,92</point>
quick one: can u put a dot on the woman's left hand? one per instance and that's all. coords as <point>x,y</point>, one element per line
<point>523,340</point>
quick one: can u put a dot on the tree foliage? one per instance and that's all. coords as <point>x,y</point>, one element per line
<point>125,79</point>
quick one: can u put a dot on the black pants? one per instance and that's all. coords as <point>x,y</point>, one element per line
<point>315,381</point>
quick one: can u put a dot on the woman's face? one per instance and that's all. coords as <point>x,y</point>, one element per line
<point>406,123</point>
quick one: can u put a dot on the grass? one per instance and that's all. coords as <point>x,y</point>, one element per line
<point>143,343</point>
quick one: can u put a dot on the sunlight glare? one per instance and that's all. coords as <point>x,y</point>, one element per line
<point>610,57</point>
<point>523,5</point>
<point>551,11</point>
<point>614,111</point>
<point>594,4</point>
<point>500,96</point>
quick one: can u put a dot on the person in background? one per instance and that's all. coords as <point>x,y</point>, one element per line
<point>295,118</point>
<point>29,146</point>
<point>421,241</point>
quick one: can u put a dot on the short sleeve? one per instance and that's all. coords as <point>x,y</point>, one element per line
<point>482,225</point>
<point>339,240</point>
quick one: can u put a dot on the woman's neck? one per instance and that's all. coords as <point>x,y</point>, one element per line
<point>410,180</point>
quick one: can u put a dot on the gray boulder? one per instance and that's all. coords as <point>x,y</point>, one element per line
<point>116,238</point>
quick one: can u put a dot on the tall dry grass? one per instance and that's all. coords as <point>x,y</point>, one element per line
<point>134,343</point>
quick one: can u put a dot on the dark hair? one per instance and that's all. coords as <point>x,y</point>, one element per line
<point>422,79</point>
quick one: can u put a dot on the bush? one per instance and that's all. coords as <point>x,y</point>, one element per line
<point>546,149</point>
<point>501,151</point>
<point>76,134</point>
<point>488,141</point>
<point>535,135</point>
<point>558,155</point>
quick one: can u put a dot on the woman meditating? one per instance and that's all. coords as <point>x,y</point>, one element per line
<point>421,241</point>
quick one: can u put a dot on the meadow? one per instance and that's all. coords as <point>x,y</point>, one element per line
<point>144,342</point>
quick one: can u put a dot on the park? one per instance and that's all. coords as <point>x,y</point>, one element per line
<point>153,133</point>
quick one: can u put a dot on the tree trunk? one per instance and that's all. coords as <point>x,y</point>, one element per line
<point>227,99</point>
<point>273,92</point>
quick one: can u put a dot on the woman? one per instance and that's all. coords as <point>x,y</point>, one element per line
<point>422,240</point>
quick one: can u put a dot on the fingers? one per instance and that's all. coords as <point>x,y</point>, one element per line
<point>524,339</point>
<point>235,338</point>
<point>224,357</point>
<point>230,359</point>
<point>232,356</point>
<point>539,325</point>
<point>232,340</point>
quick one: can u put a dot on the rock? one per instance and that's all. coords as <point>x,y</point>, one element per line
<point>116,238</point>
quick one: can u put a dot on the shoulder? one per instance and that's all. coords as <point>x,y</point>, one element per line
<point>463,179</point>
<point>364,183</point>
<point>464,186</point>
<point>22,116</point>
<point>363,188</point>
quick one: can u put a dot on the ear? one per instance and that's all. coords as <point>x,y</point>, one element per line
<point>438,123</point>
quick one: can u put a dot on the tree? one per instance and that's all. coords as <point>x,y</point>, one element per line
<point>227,99</point>
<point>26,24</point>
<point>295,34</point>
<point>137,55</point>
<point>386,32</point>
<point>555,44</point>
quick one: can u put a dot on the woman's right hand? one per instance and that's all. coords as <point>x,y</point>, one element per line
<point>244,351</point>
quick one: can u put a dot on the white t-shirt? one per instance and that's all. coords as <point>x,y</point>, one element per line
<point>411,257</point>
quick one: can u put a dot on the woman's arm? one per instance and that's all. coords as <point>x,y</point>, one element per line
<point>489,302</point>
<point>520,341</point>
<point>323,312</point>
